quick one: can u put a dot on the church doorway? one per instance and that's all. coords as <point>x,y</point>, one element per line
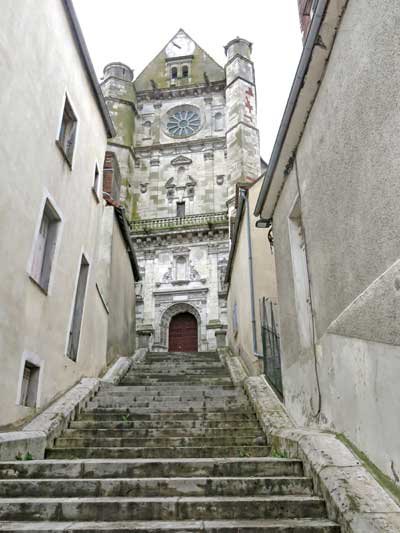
<point>183,333</point>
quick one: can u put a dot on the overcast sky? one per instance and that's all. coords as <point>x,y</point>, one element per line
<point>133,32</point>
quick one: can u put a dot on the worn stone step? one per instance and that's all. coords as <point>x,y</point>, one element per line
<point>194,442</point>
<point>176,381</point>
<point>177,405</point>
<point>167,387</point>
<point>140,372</point>
<point>307,525</point>
<point>80,432</point>
<point>147,414</point>
<point>169,425</point>
<point>161,452</point>
<point>168,508</point>
<point>171,365</point>
<point>138,468</point>
<point>160,396</point>
<point>155,487</point>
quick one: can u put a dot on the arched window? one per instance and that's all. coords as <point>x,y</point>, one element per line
<point>219,121</point>
<point>185,71</point>
<point>174,73</point>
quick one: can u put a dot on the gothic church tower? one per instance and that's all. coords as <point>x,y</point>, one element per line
<point>186,134</point>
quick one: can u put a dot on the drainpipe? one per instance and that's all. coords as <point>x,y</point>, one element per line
<point>245,197</point>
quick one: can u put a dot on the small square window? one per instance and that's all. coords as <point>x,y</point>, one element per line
<point>44,247</point>
<point>67,135</point>
<point>29,386</point>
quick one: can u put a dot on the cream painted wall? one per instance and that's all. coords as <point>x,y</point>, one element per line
<point>347,170</point>
<point>40,62</point>
<point>239,288</point>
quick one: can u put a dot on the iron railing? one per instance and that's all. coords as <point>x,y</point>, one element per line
<point>271,344</point>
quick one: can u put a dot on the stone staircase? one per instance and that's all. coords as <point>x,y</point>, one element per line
<point>175,447</point>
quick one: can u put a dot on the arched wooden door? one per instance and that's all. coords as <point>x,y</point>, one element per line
<point>183,333</point>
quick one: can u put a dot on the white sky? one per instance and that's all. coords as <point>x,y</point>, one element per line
<point>133,32</point>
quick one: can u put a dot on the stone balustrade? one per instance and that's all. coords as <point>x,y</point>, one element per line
<point>155,224</point>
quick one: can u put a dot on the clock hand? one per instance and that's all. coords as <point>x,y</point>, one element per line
<point>177,45</point>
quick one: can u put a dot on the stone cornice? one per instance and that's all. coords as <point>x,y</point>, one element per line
<point>188,144</point>
<point>180,92</point>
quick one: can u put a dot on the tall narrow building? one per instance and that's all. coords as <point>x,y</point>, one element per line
<point>186,135</point>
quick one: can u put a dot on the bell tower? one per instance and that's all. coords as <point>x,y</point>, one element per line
<point>242,137</point>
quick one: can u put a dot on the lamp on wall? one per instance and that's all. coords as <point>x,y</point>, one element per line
<point>266,223</point>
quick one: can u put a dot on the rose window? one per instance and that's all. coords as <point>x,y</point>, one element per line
<point>183,123</point>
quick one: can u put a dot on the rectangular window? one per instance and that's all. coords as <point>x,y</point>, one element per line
<point>180,209</point>
<point>29,386</point>
<point>67,134</point>
<point>44,246</point>
<point>76,323</point>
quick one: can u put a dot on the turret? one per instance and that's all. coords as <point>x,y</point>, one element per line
<point>242,138</point>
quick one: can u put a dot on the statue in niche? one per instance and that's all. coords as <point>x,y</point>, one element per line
<point>167,278</point>
<point>193,274</point>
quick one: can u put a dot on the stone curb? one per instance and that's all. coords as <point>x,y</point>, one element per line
<point>353,497</point>
<point>41,432</point>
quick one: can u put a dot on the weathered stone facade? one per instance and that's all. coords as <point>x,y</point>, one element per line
<point>186,134</point>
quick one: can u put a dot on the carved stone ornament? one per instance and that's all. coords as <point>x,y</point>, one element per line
<point>181,160</point>
<point>193,274</point>
<point>167,276</point>
<point>143,187</point>
<point>220,179</point>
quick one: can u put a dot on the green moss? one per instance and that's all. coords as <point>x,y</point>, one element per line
<point>386,482</point>
<point>134,213</point>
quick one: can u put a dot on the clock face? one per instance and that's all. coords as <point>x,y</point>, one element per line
<point>180,46</point>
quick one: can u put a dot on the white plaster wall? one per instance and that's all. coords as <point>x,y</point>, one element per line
<point>239,288</point>
<point>39,63</point>
<point>348,173</point>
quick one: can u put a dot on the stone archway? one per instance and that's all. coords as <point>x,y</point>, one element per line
<point>169,313</point>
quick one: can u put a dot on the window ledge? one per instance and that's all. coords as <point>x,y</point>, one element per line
<point>95,195</point>
<point>37,283</point>
<point>66,158</point>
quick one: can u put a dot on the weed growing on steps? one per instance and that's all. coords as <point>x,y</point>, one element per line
<point>27,457</point>
<point>278,454</point>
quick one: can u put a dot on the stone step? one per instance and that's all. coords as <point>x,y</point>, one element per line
<point>215,526</point>
<point>188,441</point>
<point>167,388</point>
<point>176,371</point>
<point>169,425</point>
<point>168,508</point>
<point>155,487</point>
<point>149,414</point>
<point>175,381</point>
<point>162,452</point>
<point>168,396</point>
<point>138,468</point>
<point>177,405</point>
<point>80,432</point>
<point>171,365</point>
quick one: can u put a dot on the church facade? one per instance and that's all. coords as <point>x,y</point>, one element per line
<point>186,138</point>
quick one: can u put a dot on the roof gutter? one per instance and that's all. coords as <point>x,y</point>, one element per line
<point>84,53</point>
<point>302,95</point>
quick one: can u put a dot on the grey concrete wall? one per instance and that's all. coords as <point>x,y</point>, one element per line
<point>121,320</point>
<point>241,340</point>
<point>348,174</point>
<point>40,61</point>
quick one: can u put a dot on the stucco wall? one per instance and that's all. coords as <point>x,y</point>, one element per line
<point>121,324</point>
<point>241,340</point>
<point>39,63</point>
<point>347,166</point>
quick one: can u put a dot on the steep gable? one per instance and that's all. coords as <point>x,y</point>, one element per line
<point>181,49</point>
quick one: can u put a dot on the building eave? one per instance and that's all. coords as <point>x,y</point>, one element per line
<point>309,74</point>
<point>87,62</point>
